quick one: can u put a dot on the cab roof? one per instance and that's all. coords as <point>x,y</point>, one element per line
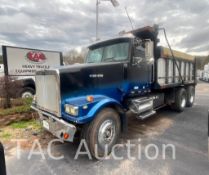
<point>125,37</point>
<point>144,33</point>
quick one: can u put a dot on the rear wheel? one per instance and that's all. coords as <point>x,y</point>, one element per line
<point>190,96</point>
<point>180,100</point>
<point>102,133</point>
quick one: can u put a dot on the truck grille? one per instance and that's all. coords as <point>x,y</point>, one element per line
<point>48,93</point>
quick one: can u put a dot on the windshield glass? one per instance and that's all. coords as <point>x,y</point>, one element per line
<point>109,53</point>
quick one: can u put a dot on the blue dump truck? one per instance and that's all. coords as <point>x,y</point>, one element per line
<point>128,73</point>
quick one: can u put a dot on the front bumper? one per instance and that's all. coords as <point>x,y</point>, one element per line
<point>56,126</point>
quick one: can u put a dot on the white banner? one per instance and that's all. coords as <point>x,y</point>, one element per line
<point>21,61</point>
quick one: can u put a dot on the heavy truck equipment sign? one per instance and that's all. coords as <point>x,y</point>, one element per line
<point>25,62</point>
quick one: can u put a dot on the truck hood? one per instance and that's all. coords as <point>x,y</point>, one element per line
<point>89,79</point>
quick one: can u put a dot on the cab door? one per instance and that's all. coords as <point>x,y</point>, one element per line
<point>139,71</point>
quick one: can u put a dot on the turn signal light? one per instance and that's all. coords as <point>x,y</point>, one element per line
<point>90,98</point>
<point>66,136</point>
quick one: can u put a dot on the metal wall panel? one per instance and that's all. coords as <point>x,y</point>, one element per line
<point>161,71</point>
<point>170,71</point>
<point>176,80</point>
<point>187,71</point>
<point>183,70</point>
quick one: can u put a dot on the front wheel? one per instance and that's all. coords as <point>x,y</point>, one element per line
<point>103,132</point>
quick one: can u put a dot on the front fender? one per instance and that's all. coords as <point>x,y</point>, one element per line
<point>102,104</point>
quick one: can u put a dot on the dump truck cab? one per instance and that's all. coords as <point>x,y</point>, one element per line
<point>134,54</point>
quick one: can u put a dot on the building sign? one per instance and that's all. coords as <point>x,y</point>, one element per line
<point>22,61</point>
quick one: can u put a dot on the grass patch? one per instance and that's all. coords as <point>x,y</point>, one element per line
<point>15,110</point>
<point>34,124</point>
<point>18,109</point>
<point>5,135</point>
<point>27,101</point>
<point>17,102</point>
<point>18,130</point>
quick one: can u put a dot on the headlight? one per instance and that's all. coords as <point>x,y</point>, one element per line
<point>72,110</point>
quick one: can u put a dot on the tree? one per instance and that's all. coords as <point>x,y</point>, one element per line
<point>73,56</point>
<point>7,89</point>
<point>201,61</point>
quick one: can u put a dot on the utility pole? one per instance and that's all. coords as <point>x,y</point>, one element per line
<point>114,3</point>
<point>97,19</point>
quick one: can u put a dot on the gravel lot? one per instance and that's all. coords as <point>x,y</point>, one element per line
<point>187,131</point>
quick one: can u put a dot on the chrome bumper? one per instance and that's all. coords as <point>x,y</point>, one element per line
<point>56,126</point>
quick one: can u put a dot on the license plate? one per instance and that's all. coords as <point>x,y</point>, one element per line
<point>45,124</point>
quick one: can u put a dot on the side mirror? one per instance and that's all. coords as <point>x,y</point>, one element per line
<point>149,50</point>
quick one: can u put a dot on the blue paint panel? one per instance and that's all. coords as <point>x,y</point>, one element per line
<point>103,96</point>
<point>86,115</point>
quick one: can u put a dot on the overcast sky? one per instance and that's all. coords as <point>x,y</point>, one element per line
<point>65,24</point>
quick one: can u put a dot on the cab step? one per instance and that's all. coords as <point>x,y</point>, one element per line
<point>145,115</point>
<point>141,105</point>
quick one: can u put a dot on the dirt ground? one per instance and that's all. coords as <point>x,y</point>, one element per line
<point>26,130</point>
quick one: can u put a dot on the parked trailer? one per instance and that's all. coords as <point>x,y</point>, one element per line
<point>204,74</point>
<point>199,74</point>
<point>128,73</point>
<point>1,70</point>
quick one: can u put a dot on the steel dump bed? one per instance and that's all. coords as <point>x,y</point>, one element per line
<point>166,53</point>
<point>172,72</point>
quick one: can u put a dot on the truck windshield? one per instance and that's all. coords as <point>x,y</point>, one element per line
<point>109,53</point>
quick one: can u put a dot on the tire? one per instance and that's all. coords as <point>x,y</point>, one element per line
<point>180,100</point>
<point>26,92</point>
<point>190,96</point>
<point>103,130</point>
